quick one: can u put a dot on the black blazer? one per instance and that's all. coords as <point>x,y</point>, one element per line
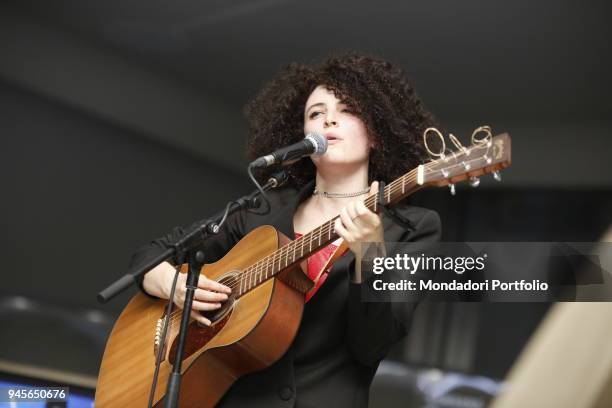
<point>341,339</point>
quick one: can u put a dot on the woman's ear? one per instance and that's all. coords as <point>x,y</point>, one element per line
<point>372,143</point>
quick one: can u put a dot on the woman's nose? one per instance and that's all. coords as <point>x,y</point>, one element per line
<point>330,121</point>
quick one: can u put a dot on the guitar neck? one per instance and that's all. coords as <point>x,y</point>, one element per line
<point>303,247</point>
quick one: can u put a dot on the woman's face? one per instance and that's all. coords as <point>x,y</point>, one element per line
<point>347,137</point>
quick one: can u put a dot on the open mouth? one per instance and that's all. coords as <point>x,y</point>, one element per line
<point>331,137</point>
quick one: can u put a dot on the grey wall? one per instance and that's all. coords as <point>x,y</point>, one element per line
<point>75,71</point>
<point>79,195</point>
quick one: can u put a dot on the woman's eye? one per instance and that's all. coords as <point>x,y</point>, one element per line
<point>313,114</point>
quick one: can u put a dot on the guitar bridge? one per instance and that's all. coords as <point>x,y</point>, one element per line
<point>157,340</point>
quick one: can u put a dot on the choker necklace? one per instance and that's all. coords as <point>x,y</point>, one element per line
<point>340,195</point>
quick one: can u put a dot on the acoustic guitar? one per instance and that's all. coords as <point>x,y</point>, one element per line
<point>259,321</point>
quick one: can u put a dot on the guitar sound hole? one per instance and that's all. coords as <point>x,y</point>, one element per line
<point>229,280</point>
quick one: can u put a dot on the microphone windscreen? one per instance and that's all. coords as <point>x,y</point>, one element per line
<point>319,141</point>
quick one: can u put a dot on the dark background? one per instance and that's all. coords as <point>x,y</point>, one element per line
<point>122,119</point>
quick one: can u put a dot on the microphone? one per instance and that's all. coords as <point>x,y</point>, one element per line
<point>313,144</point>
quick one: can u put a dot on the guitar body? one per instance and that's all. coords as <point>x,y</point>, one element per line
<point>253,332</point>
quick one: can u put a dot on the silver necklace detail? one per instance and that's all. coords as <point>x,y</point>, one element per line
<point>340,195</point>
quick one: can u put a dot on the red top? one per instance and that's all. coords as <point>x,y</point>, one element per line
<point>315,263</point>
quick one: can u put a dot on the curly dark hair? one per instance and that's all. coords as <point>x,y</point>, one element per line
<point>374,89</point>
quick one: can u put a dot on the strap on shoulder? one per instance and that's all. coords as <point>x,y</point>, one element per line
<point>390,212</point>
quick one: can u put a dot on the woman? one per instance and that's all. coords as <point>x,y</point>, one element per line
<point>373,122</point>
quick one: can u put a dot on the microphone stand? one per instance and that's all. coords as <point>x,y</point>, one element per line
<point>187,247</point>
<point>194,237</point>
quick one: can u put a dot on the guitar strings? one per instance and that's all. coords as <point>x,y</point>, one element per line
<point>249,275</point>
<point>326,228</point>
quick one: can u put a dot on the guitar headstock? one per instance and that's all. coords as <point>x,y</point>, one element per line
<point>488,156</point>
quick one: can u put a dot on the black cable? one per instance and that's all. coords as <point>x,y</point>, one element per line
<point>226,213</point>
<point>261,190</point>
<point>161,347</point>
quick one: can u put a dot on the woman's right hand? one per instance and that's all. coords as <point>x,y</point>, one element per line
<point>208,295</point>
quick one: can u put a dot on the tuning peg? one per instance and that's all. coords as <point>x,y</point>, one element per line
<point>474,182</point>
<point>497,176</point>
<point>452,189</point>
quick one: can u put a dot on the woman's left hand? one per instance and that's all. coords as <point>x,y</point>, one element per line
<point>357,224</point>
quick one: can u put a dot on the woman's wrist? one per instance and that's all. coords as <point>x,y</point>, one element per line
<point>366,253</point>
<point>356,276</point>
<point>158,280</point>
